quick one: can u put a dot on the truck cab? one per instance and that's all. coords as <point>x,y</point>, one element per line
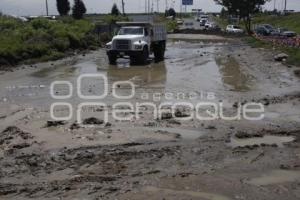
<point>138,41</point>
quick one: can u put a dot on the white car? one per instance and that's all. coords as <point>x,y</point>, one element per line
<point>179,22</point>
<point>234,29</point>
<point>210,25</point>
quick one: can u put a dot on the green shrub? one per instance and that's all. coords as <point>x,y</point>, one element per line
<point>42,39</point>
<point>40,23</point>
<point>61,44</point>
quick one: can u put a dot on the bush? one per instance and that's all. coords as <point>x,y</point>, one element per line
<point>61,44</point>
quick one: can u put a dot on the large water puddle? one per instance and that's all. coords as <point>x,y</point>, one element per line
<point>267,139</point>
<point>189,67</point>
<point>275,177</point>
<point>189,134</point>
<point>232,75</point>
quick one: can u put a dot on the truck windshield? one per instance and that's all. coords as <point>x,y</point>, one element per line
<point>131,31</point>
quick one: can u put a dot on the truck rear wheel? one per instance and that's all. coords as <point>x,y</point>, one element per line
<point>112,59</point>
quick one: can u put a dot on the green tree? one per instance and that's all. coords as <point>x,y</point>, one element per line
<point>78,9</point>
<point>172,12</point>
<point>114,10</point>
<point>224,13</point>
<point>243,9</point>
<point>63,7</point>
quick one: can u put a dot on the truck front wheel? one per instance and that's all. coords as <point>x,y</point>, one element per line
<point>112,58</point>
<point>145,55</point>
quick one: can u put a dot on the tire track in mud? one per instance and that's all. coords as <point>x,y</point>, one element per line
<point>100,166</point>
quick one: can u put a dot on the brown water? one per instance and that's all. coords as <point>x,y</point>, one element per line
<point>232,75</point>
<point>189,67</point>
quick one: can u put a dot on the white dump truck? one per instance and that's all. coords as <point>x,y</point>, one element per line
<point>138,40</point>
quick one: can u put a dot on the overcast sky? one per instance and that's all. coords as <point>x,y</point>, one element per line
<point>37,7</point>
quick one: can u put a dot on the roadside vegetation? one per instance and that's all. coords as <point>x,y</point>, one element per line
<point>42,39</point>
<point>294,53</point>
<point>290,21</point>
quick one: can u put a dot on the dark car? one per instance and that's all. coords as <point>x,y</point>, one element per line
<point>203,22</point>
<point>265,29</point>
<point>285,32</point>
<point>289,34</point>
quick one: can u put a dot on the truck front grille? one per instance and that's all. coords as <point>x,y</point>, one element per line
<point>122,44</point>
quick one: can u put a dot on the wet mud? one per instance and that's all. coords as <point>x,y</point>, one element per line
<point>147,157</point>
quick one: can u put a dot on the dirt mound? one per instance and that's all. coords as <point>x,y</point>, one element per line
<point>93,121</point>
<point>11,133</point>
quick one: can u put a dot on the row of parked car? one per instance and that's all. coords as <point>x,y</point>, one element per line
<point>206,23</point>
<point>264,30</point>
<point>269,30</point>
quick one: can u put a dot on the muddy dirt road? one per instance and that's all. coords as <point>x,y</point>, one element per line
<point>146,157</point>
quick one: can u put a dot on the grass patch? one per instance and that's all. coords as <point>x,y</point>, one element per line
<point>294,53</point>
<point>42,39</point>
<point>291,21</point>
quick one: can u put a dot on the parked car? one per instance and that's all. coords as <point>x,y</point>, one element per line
<point>266,29</point>
<point>210,25</point>
<point>234,29</point>
<point>203,22</point>
<point>179,21</point>
<point>289,34</point>
<point>189,23</point>
<point>204,17</point>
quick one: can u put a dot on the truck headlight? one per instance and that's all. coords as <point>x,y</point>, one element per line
<point>108,46</point>
<point>138,46</point>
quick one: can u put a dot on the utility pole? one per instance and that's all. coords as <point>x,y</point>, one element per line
<point>167,6</point>
<point>123,5</point>
<point>152,7</point>
<point>157,4</point>
<point>285,4</point>
<point>274,4</point>
<point>47,11</point>
<point>148,6</point>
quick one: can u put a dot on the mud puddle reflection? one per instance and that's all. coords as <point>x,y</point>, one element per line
<point>232,75</point>
<point>188,67</point>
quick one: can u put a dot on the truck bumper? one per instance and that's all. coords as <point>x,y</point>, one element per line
<point>123,53</point>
